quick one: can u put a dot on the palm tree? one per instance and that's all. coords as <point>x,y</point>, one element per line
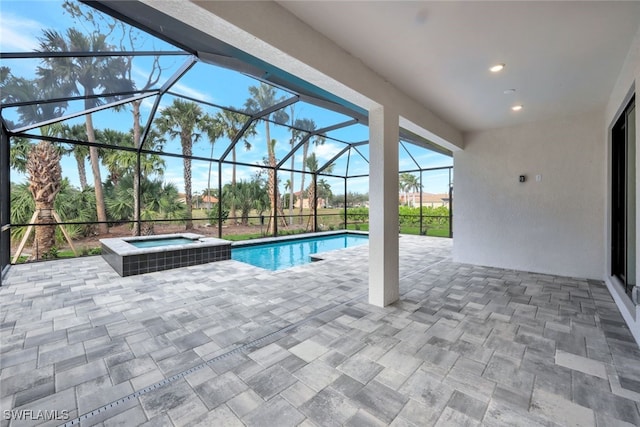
<point>312,165</point>
<point>231,124</point>
<point>11,91</point>
<point>182,120</point>
<point>70,203</point>
<point>294,138</point>
<point>151,140</point>
<point>84,75</point>
<point>128,39</point>
<point>45,177</point>
<point>404,181</point>
<point>247,195</point>
<point>117,162</point>
<point>409,182</point>
<point>415,187</point>
<point>5,78</point>
<point>214,130</point>
<point>124,164</point>
<point>17,89</point>
<point>80,153</point>
<point>307,125</point>
<point>41,161</point>
<point>18,153</point>
<point>263,97</point>
<point>149,164</point>
<point>324,189</point>
<point>159,200</point>
<point>288,188</point>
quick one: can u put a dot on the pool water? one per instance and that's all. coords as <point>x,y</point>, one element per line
<point>281,255</point>
<point>152,243</point>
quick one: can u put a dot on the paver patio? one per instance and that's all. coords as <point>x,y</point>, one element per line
<point>465,345</point>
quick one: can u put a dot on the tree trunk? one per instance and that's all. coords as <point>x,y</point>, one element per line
<point>188,199</point>
<point>137,172</point>
<point>136,199</point>
<point>305,149</point>
<point>291,191</point>
<point>97,179</point>
<point>45,176</point>
<point>273,197</point>
<point>82,170</point>
<point>272,185</point>
<point>208,204</point>
<point>45,235</point>
<point>232,211</point>
<point>311,193</point>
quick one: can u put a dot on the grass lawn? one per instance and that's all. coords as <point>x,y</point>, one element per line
<point>65,253</point>
<point>328,219</point>
<point>405,229</point>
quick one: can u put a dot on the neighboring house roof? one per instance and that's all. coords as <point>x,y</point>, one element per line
<point>209,199</point>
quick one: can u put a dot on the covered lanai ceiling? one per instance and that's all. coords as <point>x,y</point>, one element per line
<point>561,57</point>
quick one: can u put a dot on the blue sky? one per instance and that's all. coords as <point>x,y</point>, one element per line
<point>22,22</point>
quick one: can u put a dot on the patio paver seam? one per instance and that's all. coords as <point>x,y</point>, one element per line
<point>244,347</point>
<point>252,345</point>
<point>488,335</point>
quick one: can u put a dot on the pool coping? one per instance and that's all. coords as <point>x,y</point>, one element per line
<point>121,246</point>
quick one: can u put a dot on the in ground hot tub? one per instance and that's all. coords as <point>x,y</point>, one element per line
<point>137,255</point>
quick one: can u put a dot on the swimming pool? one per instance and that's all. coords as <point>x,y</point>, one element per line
<point>289,253</point>
<point>152,243</point>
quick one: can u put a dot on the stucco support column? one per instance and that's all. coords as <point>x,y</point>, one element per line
<point>384,134</point>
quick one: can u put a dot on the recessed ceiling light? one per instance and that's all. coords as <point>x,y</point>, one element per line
<point>509,91</point>
<point>516,107</point>
<point>496,68</point>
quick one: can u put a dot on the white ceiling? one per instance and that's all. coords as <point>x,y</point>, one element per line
<point>561,57</point>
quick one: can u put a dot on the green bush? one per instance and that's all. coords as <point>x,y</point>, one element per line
<point>358,214</point>
<point>52,253</point>
<point>212,214</point>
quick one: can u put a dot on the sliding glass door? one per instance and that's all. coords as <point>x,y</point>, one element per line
<point>623,209</point>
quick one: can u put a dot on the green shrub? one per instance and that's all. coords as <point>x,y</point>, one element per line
<point>358,214</point>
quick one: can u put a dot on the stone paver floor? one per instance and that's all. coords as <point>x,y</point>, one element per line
<point>465,345</point>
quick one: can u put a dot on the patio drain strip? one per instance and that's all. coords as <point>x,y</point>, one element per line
<point>243,347</point>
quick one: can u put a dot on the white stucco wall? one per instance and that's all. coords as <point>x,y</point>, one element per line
<point>553,225</point>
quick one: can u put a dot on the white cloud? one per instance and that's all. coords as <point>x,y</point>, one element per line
<point>193,93</point>
<point>407,164</point>
<point>18,33</point>
<point>358,185</point>
<point>244,175</point>
<point>327,150</point>
<point>175,178</point>
<point>147,104</point>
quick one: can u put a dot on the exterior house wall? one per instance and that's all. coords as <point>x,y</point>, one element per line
<point>429,200</point>
<point>624,88</point>
<point>553,225</point>
<point>305,203</point>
